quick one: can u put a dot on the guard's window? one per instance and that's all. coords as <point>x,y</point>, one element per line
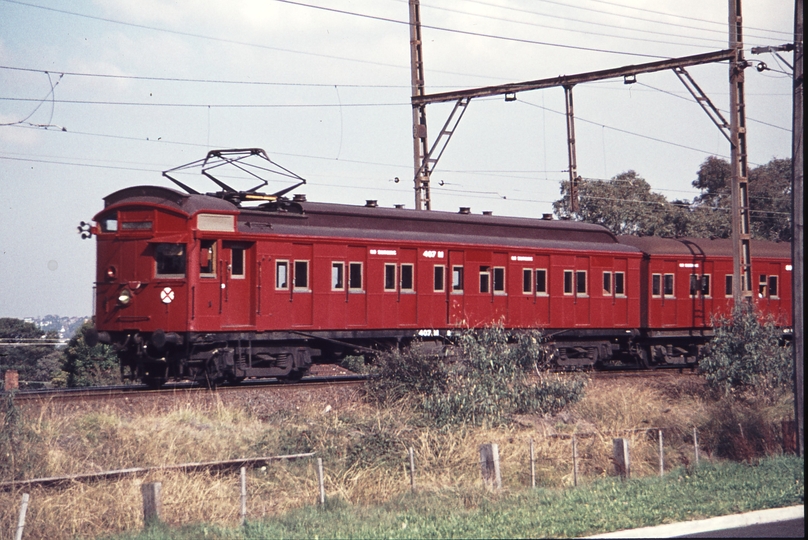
<point>337,276</point>
<point>440,272</point>
<point>705,285</point>
<point>169,260</point>
<point>281,274</point>
<point>668,285</point>
<point>207,258</point>
<point>607,283</point>
<point>728,285</point>
<point>580,282</point>
<point>355,276</point>
<point>527,281</point>
<point>237,263</point>
<point>406,277</point>
<point>499,279</point>
<point>485,279</point>
<point>763,286</point>
<point>656,285</point>
<point>620,283</point>
<point>541,281</point>
<point>568,281</point>
<point>389,277</point>
<point>301,279</point>
<point>773,286</point>
<point>457,278</point>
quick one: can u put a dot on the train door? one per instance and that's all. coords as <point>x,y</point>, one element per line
<point>499,288</point>
<point>236,284</point>
<point>456,315</point>
<point>407,293</point>
<point>356,295</point>
<point>582,291</point>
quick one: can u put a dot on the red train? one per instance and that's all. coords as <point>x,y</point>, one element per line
<point>203,287</point>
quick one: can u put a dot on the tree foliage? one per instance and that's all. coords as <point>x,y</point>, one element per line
<point>32,362</point>
<point>90,366</point>
<point>626,205</point>
<point>748,354</point>
<point>494,375</point>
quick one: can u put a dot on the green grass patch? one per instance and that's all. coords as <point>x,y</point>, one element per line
<point>602,506</point>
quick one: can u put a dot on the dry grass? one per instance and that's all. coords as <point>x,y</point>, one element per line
<point>364,450</point>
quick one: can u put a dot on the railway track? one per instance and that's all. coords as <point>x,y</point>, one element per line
<point>107,393</point>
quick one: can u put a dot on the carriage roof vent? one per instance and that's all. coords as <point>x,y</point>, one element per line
<point>299,197</point>
<point>371,203</point>
<point>399,206</point>
<point>488,213</point>
<point>547,217</point>
<point>465,210</point>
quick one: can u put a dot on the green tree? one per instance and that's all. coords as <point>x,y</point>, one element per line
<point>624,205</point>
<point>24,358</point>
<point>748,354</point>
<point>90,366</point>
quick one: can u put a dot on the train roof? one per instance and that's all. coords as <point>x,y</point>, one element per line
<point>704,247</point>
<point>181,202</point>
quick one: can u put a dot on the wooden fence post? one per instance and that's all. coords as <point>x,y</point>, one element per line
<point>489,465</point>
<point>532,465</point>
<point>21,518</point>
<point>152,506</point>
<point>412,470</point>
<point>621,458</point>
<point>243,478</point>
<point>574,461</point>
<point>320,480</point>
<point>696,445</point>
<point>661,456</point>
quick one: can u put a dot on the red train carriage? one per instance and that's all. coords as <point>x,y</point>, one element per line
<point>193,286</point>
<point>687,281</point>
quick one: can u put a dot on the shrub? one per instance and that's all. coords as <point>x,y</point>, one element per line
<point>90,366</point>
<point>748,353</point>
<point>495,374</point>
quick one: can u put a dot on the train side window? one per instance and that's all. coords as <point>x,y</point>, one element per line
<point>169,260</point>
<point>763,286</point>
<point>207,259</point>
<point>580,282</point>
<point>389,277</point>
<point>620,283</point>
<point>773,287</point>
<point>281,274</point>
<point>705,285</point>
<point>337,276</point>
<point>237,263</point>
<point>668,285</point>
<point>457,278</point>
<point>541,281</point>
<point>694,284</point>
<point>301,277</point>
<point>499,279</point>
<point>406,277</point>
<point>527,281</point>
<point>728,285</point>
<point>485,279</point>
<point>607,283</point>
<point>440,273</point>
<point>355,276</point>
<point>567,281</point>
<point>656,284</point>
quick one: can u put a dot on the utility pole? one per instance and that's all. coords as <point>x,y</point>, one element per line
<point>797,245</point>
<point>572,153</point>
<point>741,233</point>
<point>419,141</point>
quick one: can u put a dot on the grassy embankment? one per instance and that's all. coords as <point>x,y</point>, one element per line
<point>364,449</point>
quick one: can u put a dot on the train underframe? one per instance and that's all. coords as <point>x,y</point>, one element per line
<point>216,358</point>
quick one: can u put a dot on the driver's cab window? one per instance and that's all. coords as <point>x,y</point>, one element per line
<point>207,258</point>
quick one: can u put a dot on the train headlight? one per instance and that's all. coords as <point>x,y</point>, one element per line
<point>124,297</point>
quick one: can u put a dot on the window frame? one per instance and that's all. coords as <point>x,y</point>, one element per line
<point>546,284</point>
<point>338,280</point>
<point>485,279</point>
<point>607,283</point>
<point>622,284</point>
<point>295,280</point>
<point>776,288</point>
<point>401,276</point>
<point>728,279</point>
<point>656,285</point>
<point>212,250</point>
<point>569,282</point>
<point>439,270</point>
<point>578,275</point>
<point>158,257</point>
<point>458,279</point>
<point>282,263</point>
<point>498,280</point>
<point>390,281</point>
<point>527,281</point>
<point>665,287</point>
<point>351,285</point>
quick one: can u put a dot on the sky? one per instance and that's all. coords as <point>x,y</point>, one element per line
<point>98,95</point>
